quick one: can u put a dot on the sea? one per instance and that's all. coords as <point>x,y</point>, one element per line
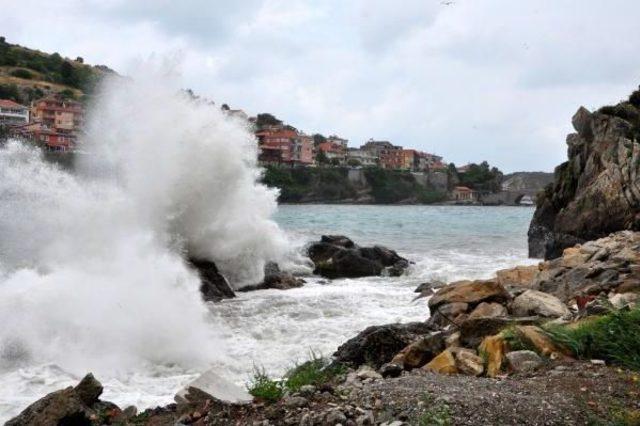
<point>271,330</point>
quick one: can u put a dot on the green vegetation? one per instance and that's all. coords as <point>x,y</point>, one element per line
<point>38,67</point>
<point>266,119</point>
<point>318,139</point>
<point>437,413</point>
<point>321,183</point>
<point>515,340</point>
<point>306,184</point>
<point>316,371</point>
<point>22,73</point>
<point>614,338</point>
<point>391,186</point>
<point>264,387</point>
<point>481,177</point>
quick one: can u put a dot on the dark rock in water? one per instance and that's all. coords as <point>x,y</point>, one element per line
<point>338,240</point>
<point>70,406</point>
<point>275,279</point>
<point>322,252</point>
<point>597,191</point>
<point>377,345</point>
<point>431,285</point>
<point>214,286</point>
<point>348,264</point>
<point>337,256</point>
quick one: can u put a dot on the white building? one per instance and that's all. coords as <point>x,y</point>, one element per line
<point>13,114</point>
<point>364,157</point>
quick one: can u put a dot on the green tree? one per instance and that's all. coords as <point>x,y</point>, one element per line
<point>318,139</point>
<point>266,119</point>
<point>68,75</point>
<point>321,157</point>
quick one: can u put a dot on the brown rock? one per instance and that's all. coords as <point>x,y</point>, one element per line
<point>518,276</point>
<point>573,257</point>
<point>494,348</point>
<point>444,363</point>
<point>421,351</point>
<point>491,310</point>
<point>536,337</point>
<point>533,302</point>
<point>468,362</point>
<point>471,292</point>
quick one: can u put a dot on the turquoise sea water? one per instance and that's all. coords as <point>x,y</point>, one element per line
<point>454,241</point>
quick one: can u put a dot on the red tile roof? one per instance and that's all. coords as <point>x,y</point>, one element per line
<point>10,104</point>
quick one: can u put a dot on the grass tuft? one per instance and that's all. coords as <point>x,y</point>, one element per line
<point>614,338</point>
<point>263,387</point>
<point>316,371</point>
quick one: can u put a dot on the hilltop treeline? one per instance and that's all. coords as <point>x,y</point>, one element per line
<point>24,74</point>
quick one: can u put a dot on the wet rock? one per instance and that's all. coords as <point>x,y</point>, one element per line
<point>274,278</point>
<point>471,292</point>
<point>524,361</point>
<point>377,345</point>
<point>533,302</point>
<point>63,407</point>
<point>339,257</point>
<point>89,390</point>
<point>444,363</point>
<point>213,285</point>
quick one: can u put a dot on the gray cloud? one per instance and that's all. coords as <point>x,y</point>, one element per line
<point>474,80</point>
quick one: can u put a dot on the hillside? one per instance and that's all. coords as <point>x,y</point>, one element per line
<point>27,74</point>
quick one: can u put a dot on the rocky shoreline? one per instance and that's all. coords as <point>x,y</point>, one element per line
<point>490,352</point>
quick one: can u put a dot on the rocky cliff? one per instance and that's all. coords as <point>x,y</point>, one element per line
<point>597,191</point>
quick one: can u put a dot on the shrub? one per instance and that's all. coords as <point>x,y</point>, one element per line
<point>317,371</point>
<point>22,73</point>
<point>437,413</point>
<point>634,99</point>
<point>614,337</point>
<point>263,387</point>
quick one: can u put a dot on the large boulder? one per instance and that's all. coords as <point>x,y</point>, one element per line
<point>443,363</point>
<point>336,256</point>
<point>420,351</point>
<point>377,345</point>
<point>213,285</point>
<point>524,361</point>
<point>71,406</point>
<point>533,302</point>
<point>209,385</point>
<point>597,191</point>
<point>470,292</point>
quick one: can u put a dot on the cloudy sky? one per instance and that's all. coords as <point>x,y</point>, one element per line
<point>471,80</point>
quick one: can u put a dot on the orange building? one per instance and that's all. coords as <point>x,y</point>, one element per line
<point>56,121</point>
